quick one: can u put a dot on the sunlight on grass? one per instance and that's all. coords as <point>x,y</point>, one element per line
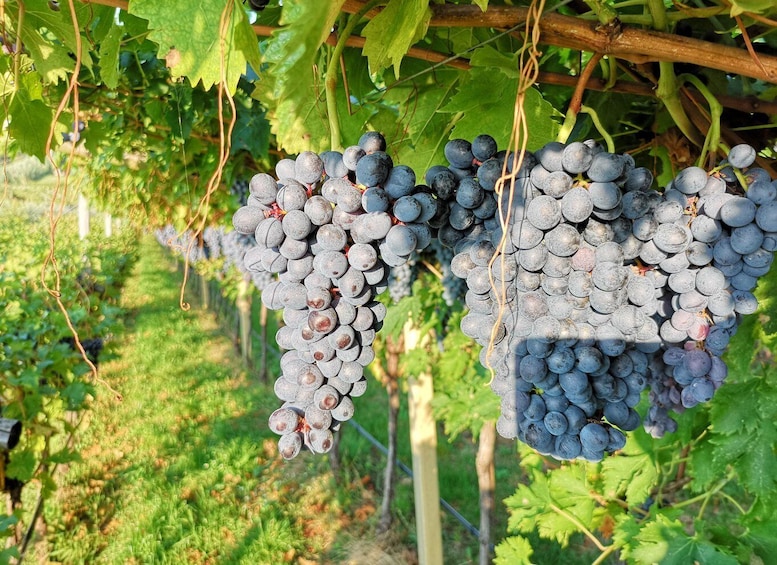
<point>184,470</point>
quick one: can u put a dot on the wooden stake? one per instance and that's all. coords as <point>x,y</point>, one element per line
<point>423,442</point>
<point>244,318</point>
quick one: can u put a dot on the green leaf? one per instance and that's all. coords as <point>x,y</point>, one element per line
<point>635,475</point>
<point>22,465</point>
<point>553,504</point>
<point>463,399</point>
<point>428,129</point>
<point>515,550</point>
<point>744,432</point>
<point>39,16</point>
<point>109,57</point>
<point>7,521</point>
<point>665,541</point>
<point>390,34</point>
<point>291,87</point>
<point>625,531</point>
<point>482,4</point>
<point>488,57</point>
<point>192,45</point>
<point>30,116</point>
<point>705,468</point>
<point>252,131</point>
<point>762,538</point>
<point>398,314</point>
<point>51,61</point>
<point>487,100</point>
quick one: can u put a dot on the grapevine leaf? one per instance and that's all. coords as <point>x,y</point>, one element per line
<point>291,88</point>
<point>7,521</point>
<point>30,116</point>
<point>398,314</point>
<point>744,432</point>
<point>192,45</point>
<point>762,538</point>
<point>390,34</point>
<point>75,394</point>
<point>704,468</point>
<point>488,57</point>
<point>569,486</point>
<point>22,465</point>
<point>624,533</point>
<point>357,74</point>
<point>757,470</point>
<point>352,122</point>
<point>514,550</point>
<point>293,49</point>
<point>428,129</point>
<point>665,541</point>
<point>488,94</point>
<point>109,57</point>
<point>51,62</point>
<point>482,4</point>
<point>415,362</point>
<point>39,16</point>
<point>635,475</point>
<point>553,505</point>
<point>463,400</point>
<point>729,420</point>
<point>252,131</point>
<point>298,120</point>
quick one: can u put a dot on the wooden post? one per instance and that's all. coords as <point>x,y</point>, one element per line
<point>484,463</point>
<point>263,333</point>
<point>423,443</point>
<point>83,217</point>
<point>243,304</point>
<point>108,225</point>
<point>204,292</point>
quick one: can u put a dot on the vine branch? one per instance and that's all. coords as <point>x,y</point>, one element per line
<point>632,44</point>
<point>566,31</point>
<point>749,104</point>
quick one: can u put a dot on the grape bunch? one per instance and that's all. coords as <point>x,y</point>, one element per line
<point>727,235</point>
<point>453,288</point>
<point>211,242</point>
<point>547,300</point>
<point>239,190</point>
<point>168,236</point>
<point>593,286</point>
<point>231,246</point>
<point>329,229</point>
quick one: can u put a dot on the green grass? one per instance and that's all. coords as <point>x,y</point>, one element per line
<point>184,470</point>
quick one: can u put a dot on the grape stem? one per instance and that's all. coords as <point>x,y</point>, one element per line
<point>605,13</point>
<point>599,127</point>
<point>668,90</point>
<point>667,93</point>
<point>576,102</point>
<point>330,80</point>
<point>712,140</point>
